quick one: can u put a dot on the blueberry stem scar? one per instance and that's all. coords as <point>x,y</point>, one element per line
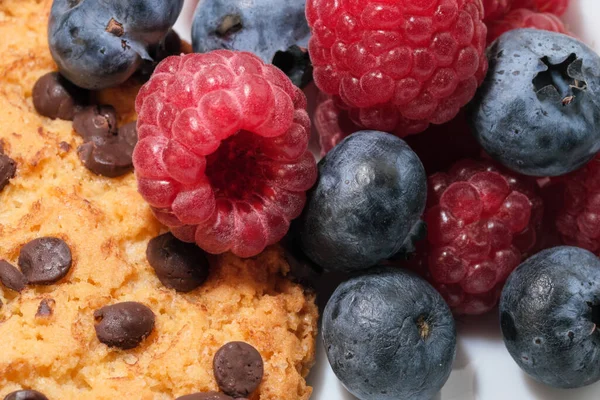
<point>115,27</point>
<point>229,25</point>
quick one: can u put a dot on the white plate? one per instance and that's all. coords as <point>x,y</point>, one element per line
<point>483,369</point>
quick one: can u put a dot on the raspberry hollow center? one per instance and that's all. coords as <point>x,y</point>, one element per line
<point>234,170</point>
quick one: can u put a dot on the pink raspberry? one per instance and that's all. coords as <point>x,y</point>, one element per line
<point>222,154</point>
<point>397,66</point>
<point>524,18</point>
<point>495,9</point>
<point>578,218</point>
<point>481,222</point>
<point>331,123</point>
<point>556,7</point>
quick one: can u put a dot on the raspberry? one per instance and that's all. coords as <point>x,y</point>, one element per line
<point>556,7</point>
<point>481,222</point>
<point>495,9</point>
<point>398,66</point>
<point>578,220</point>
<point>222,156</point>
<point>524,18</point>
<point>332,123</point>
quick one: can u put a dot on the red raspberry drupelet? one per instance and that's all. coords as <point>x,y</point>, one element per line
<point>222,154</point>
<point>578,220</point>
<point>557,7</point>
<point>398,65</point>
<point>481,222</point>
<point>495,9</point>
<point>524,18</point>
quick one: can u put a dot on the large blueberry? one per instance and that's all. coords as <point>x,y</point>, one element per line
<point>550,317</point>
<point>99,44</point>
<point>370,194</point>
<point>389,336</point>
<point>538,110</point>
<point>262,27</point>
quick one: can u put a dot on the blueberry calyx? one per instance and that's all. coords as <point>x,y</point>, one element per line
<point>230,24</point>
<point>423,326</point>
<point>560,80</point>
<point>115,27</point>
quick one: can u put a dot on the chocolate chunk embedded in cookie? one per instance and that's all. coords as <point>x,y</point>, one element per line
<point>238,369</point>
<point>124,325</point>
<point>45,260</point>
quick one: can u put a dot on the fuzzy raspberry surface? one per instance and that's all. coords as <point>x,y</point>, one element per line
<point>222,154</point>
<point>557,7</point>
<point>524,18</point>
<point>494,9</point>
<point>398,65</point>
<point>578,218</point>
<point>481,222</point>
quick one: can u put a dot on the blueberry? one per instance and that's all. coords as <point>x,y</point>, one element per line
<point>389,336</point>
<point>538,110</point>
<point>262,27</point>
<point>99,44</point>
<point>550,317</point>
<point>370,194</point>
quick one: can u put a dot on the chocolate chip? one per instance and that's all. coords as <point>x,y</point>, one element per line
<point>238,369</point>
<point>55,97</point>
<point>94,122</point>
<point>124,325</point>
<point>11,277</point>
<point>110,156</point>
<point>46,308</point>
<point>178,265</point>
<point>25,395</point>
<point>8,168</point>
<point>205,396</point>
<point>45,260</point>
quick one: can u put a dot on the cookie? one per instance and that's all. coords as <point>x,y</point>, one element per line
<point>49,331</point>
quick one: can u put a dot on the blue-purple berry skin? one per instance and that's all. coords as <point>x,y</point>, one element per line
<point>262,27</point>
<point>389,335</point>
<point>550,316</point>
<point>100,44</point>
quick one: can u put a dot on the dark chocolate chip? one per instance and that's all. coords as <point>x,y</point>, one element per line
<point>64,146</point>
<point>110,156</point>
<point>8,168</point>
<point>238,369</point>
<point>45,260</point>
<point>55,97</point>
<point>11,277</point>
<point>178,265</point>
<point>205,396</point>
<point>302,269</point>
<point>124,325</point>
<point>46,308</point>
<point>96,122</point>
<point>25,395</point>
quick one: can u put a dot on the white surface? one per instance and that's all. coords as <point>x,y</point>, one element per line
<point>483,369</point>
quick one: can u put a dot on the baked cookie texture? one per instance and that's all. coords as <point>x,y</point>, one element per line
<point>107,226</point>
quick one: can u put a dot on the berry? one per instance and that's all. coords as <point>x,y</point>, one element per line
<point>99,44</point>
<point>524,18</point>
<point>398,66</point>
<point>332,123</point>
<point>537,112</point>
<point>550,316</point>
<point>222,154</point>
<point>266,28</point>
<point>481,222</point>
<point>578,220</point>
<point>557,7</point>
<point>495,9</point>
<point>389,336</point>
<point>370,193</point>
